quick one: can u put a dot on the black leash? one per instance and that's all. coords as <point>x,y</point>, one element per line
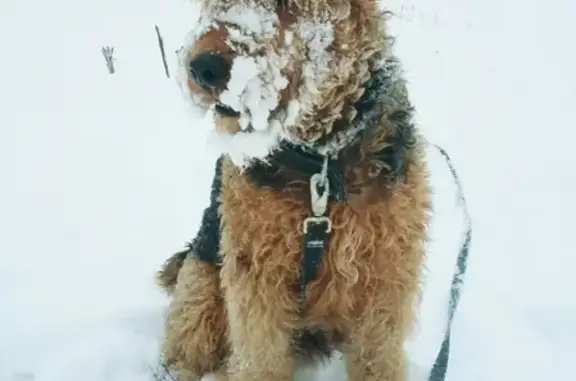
<point>438,372</point>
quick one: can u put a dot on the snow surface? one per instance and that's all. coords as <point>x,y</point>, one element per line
<point>102,177</point>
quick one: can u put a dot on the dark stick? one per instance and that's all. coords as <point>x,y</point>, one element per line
<point>161,44</point>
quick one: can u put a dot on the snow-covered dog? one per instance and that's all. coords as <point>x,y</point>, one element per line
<point>315,240</point>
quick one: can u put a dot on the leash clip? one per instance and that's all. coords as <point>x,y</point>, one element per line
<point>319,201</point>
<point>319,191</point>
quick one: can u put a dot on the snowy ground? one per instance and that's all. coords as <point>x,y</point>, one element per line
<point>101,177</point>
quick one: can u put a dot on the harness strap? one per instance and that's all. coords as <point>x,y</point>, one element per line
<point>268,174</point>
<point>316,234</point>
<point>440,367</point>
<point>316,227</point>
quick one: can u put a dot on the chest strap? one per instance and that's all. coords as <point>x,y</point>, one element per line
<point>316,228</point>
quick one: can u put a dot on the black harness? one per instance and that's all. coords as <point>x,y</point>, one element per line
<point>317,227</point>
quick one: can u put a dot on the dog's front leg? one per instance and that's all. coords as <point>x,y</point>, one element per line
<point>195,342</point>
<point>376,351</point>
<point>260,330</point>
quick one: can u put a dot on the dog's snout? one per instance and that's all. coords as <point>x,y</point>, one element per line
<point>210,71</point>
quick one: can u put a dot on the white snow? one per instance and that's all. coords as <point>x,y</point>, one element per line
<point>254,89</point>
<point>255,83</point>
<point>246,18</point>
<point>318,38</point>
<point>257,79</point>
<point>102,177</point>
<point>242,146</point>
<point>251,17</point>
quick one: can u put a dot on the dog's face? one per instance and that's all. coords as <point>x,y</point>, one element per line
<point>275,70</point>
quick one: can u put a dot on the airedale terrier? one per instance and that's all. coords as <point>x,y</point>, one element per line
<point>315,236</point>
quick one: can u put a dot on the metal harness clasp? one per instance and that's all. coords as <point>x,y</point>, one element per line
<point>319,201</point>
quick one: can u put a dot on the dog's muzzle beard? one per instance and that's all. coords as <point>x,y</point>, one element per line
<point>225,111</point>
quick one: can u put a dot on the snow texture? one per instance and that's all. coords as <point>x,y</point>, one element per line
<point>318,38</point>
<point>103,176</point>
<point>256,83</point>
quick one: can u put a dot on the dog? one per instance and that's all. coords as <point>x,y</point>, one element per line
<point>315,237</point>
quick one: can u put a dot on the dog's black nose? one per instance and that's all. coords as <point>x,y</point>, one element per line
<point>210,71</point>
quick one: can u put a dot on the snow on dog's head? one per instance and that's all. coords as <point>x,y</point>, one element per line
<point>274,70</point>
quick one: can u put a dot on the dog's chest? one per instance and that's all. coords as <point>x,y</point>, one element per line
<point>265,226</point>
<point>263,237</point>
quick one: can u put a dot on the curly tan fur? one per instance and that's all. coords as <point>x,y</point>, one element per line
<point>241,319</point>
<point>196,324</point>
